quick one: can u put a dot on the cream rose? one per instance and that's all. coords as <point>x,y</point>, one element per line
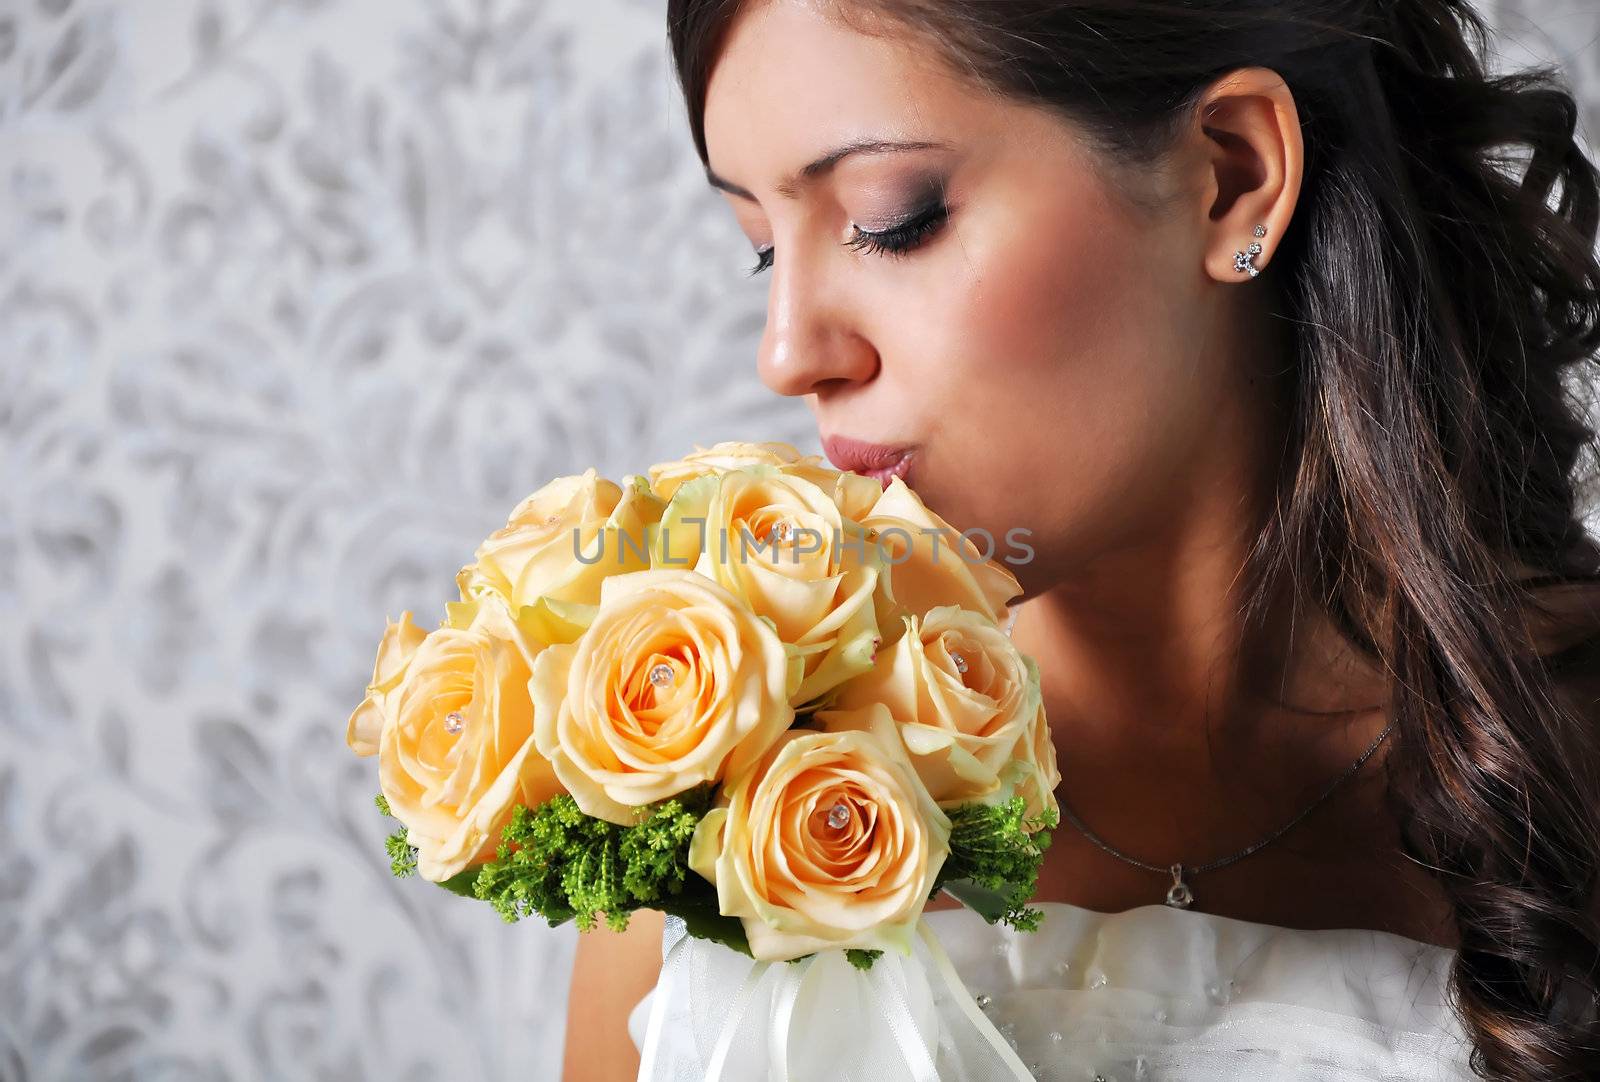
<point>855,495</point>
<point>560,543</point>
<point>1033,773</point>
<point>829,841</point>
<point>780,545</point>
<point>455,736</point>
<point>674,684</point>
<point>963,695</point>
<point>930,563</point>
<point>667,477</point>
<point>400,641</point>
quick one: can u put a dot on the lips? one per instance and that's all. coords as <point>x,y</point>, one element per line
<point>880,461</point>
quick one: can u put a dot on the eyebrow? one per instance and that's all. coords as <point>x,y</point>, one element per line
<point>790,187</point>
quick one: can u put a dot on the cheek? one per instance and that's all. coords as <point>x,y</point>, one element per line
<point>1048,289</point>
<point>1046,371</point>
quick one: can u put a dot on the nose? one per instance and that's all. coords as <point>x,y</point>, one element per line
<point>814,342</point>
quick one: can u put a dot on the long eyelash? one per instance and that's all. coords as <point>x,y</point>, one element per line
<point>904,237</point>
<point>894,242</point>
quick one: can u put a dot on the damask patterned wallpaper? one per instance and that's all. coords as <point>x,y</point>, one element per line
<point>297,298</point>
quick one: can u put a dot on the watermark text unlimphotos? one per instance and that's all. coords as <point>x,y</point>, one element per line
<point>973,546</point>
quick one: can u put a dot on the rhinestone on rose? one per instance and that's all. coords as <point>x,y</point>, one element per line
<point>661,674</point>
<point>839,815</point>
<point>778,532</point>
<point>454,722</point>
<point>960,662</point>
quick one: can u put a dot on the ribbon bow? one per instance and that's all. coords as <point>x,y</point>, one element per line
<point>718,1016</point>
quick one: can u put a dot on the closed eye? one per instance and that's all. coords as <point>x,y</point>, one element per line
<point>905,237</point>
<point>894,242</point>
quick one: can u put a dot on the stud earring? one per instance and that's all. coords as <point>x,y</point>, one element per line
<point>1242,260</point>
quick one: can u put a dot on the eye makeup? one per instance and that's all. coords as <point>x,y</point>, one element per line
<point>913,230</point>
<point>906,235</point>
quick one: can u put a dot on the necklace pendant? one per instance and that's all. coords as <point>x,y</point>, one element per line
<point>1179,896</point>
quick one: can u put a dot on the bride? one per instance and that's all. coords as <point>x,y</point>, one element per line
<point>1237,307</point>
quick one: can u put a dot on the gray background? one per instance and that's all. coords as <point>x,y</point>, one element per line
<point>297,298</point>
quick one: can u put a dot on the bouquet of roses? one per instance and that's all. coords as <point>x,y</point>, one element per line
<point>766,696</point>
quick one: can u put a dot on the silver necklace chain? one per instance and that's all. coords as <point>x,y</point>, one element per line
<point>1180,895</point>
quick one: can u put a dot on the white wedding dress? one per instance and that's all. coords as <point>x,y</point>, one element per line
<point>1150,993</point>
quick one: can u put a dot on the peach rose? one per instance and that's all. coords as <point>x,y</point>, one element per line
<point>930,563</point>
<point>400,641</point>
<point>1033,773</point>
<point>560,543</point>
<point>667,477</point>
<point>855,495</point>
<point>779,544</point>
<point>455,737</point>
<point>674,684</point>
<point>963,695</point>
<point>829,841</point>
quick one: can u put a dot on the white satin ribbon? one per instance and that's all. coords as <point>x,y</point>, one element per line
<point>730,1028</point>
<point>969,1006</point>
<point>650,1053</point>
<point>893,1000</point>
<point>820,1017</point>
<point>782,1023</point>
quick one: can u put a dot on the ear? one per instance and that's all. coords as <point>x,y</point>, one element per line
<point>1249,151</point>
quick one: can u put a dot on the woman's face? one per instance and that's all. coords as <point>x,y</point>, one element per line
<point>1049,355</point>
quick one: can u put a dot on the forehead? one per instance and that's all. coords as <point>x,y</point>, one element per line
<point>793,81</point>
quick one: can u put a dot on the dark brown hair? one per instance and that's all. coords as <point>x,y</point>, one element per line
<point>1441,279</point>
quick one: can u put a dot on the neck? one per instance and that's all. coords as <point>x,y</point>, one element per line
<point>1143,653</point>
